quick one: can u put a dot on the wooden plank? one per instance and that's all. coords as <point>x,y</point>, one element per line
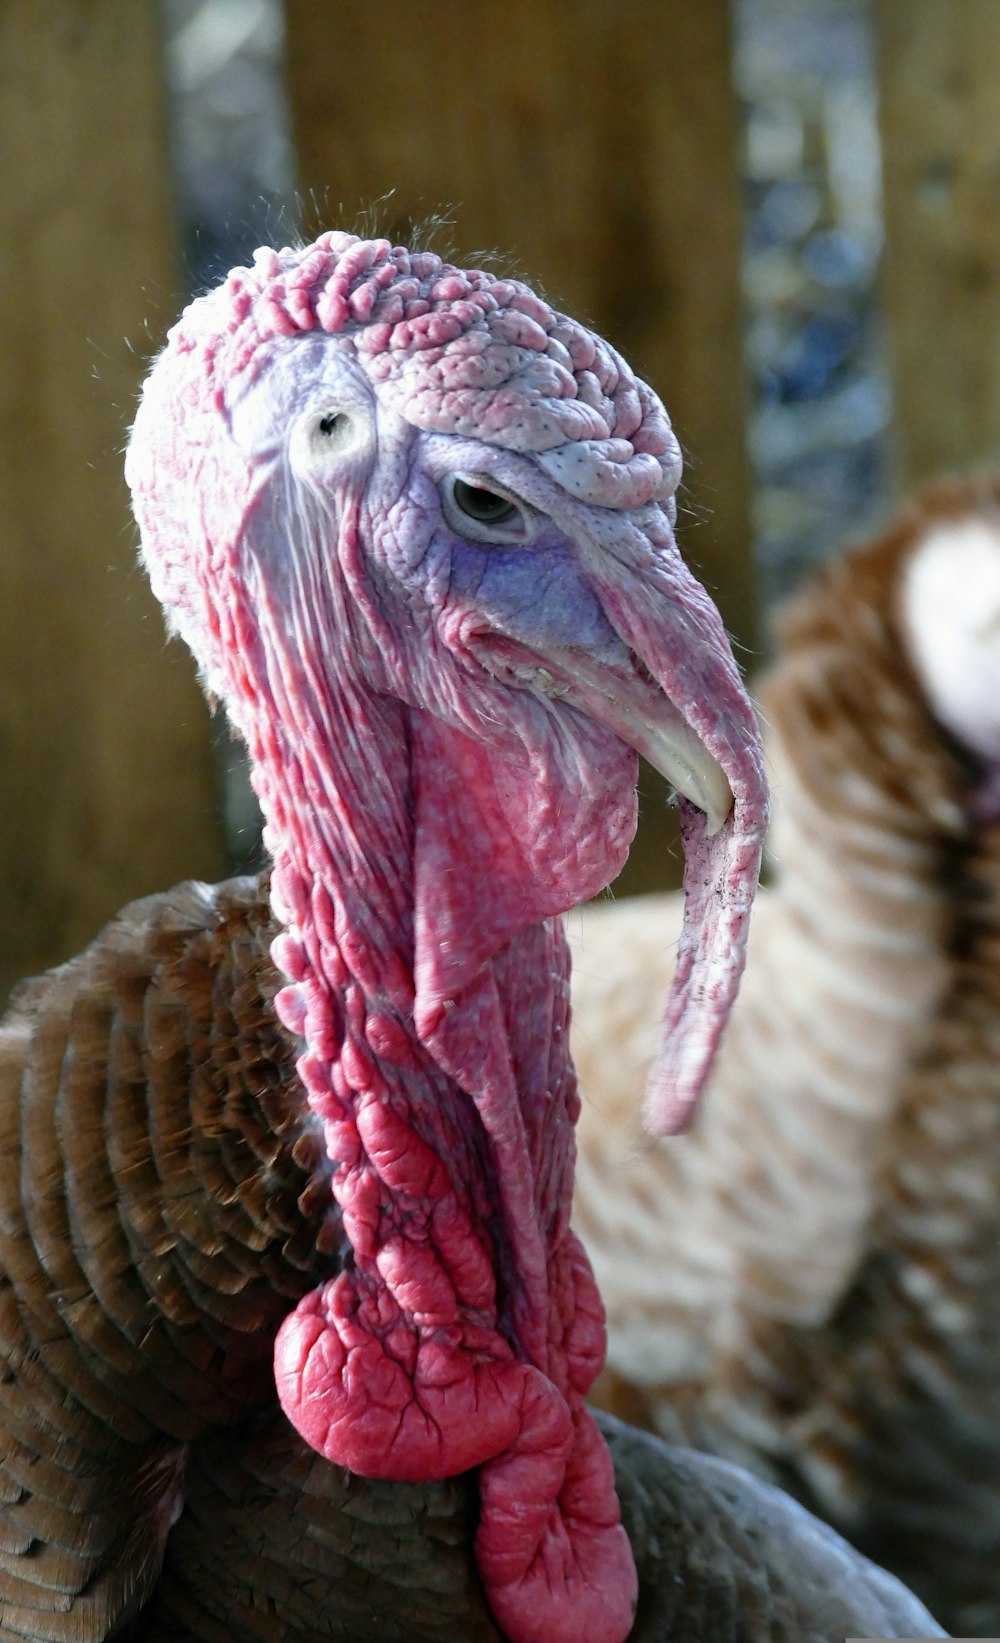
<point>597,145</point>
<point>105,744</point>
<point>939,69</point>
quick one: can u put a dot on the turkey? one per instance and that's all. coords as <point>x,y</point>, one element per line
<point>809,1281</point>
<point>296,1333</point>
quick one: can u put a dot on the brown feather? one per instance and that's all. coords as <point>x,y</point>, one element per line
<point>148,1191</point>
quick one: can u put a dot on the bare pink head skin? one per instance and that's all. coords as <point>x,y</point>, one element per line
<point>415,526</point>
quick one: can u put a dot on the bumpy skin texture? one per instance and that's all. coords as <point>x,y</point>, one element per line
<point>810,1281</point>
<point>439,723</point>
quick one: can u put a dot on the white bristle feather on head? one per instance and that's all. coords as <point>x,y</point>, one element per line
<point>950,599</point>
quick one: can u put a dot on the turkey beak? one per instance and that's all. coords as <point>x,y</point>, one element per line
<point>684,708</point>
<point>636,709</point>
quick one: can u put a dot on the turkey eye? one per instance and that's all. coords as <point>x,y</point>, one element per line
<point>484,506</point>
<point>329,424</point>
<point>478,513</point>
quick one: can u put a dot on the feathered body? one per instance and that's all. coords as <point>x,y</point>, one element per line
<point>809,1280</point>
<point>147,1465</point>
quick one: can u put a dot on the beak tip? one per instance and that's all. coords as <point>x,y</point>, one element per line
<point>716,818</point>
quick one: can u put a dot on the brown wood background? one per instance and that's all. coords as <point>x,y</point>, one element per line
<point>939,84</point>
<point>108,790</point>
<point>595,143</point>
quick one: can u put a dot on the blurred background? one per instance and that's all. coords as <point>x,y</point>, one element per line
<point>784,213</point>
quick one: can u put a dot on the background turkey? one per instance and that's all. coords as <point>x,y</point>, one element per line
<point>415,527</point>
<point>810,1280</point>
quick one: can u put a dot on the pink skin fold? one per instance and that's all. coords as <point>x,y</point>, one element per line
<point>443,737</point>
<point>721,867</point>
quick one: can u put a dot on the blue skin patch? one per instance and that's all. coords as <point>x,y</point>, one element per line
<point>534,591</point>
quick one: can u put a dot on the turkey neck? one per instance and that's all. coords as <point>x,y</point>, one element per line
<point>868,831</point>
<point>489,1095</point>
<point>464,1326</point>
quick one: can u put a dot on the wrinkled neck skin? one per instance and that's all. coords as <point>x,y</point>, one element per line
<point>485,1079</point>
<point>465,1327</point>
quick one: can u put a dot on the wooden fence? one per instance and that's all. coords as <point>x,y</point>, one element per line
<point>104,742</point>
<point>595,141</point>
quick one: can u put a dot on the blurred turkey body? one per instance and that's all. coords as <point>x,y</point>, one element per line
<point>810,1280</point>
<point>415,527</point>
